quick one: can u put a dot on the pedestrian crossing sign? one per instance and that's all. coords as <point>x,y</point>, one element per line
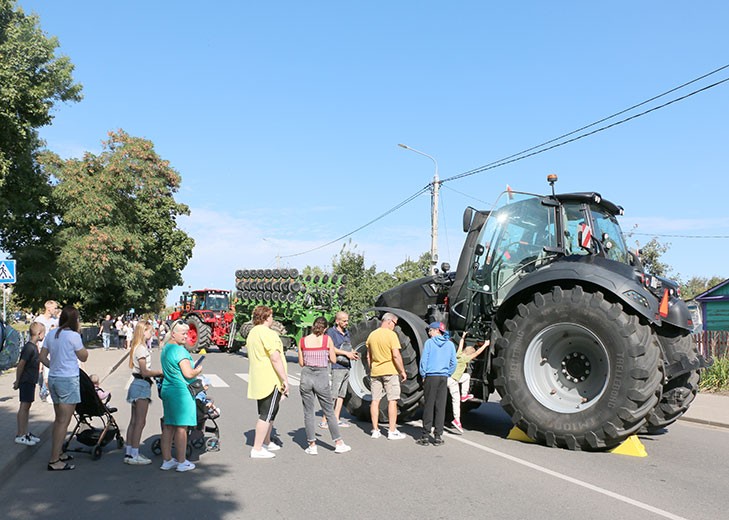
<point>7,271</point>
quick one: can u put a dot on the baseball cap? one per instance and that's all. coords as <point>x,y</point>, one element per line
<point>438,325</point>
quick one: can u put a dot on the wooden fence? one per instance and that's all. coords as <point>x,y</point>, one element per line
<point>713,343</point>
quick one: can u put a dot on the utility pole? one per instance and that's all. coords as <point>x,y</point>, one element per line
<point>434,193</point>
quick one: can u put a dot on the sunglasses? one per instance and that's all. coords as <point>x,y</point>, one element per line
<point>176,323</point>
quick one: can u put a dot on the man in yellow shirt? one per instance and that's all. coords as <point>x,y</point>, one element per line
<point>385,361</point>
<point>267,379</point>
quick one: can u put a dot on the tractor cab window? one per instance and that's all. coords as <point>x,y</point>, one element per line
<point>607,239</point>
<point>513,242</point>
<point>217,302</point>
<point>607,231</point>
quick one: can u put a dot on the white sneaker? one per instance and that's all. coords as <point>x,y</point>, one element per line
<point>395,435</point>
<point>33,438</point>
<point>376,434</point>
<point>25,439</point>
<point>311,450</point>
<point>185,466</point>
<point>271,446</point>
<point>139,460</point>
<point>263,453</point>
<point>169,464</point>
<point>342,448</point>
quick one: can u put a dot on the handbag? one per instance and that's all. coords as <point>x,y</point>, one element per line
<point>195,387</point>
<point>344,360</point>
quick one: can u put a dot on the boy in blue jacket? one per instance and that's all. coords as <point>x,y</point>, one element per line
<point>437,364</point>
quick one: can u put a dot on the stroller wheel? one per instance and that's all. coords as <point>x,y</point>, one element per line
<point>212,444</point>
<point>157,447</point>
<point>119,441</point>
<point>96,453</point>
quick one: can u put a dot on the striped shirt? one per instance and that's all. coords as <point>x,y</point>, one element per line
<point>317,356</point>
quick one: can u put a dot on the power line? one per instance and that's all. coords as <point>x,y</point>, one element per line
<point>722,237</point>
<point>539,149</point>
<point>524,153</point>
<point>391,210</point>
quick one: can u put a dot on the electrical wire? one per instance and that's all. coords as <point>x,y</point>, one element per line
<point>538,149</point>
<point>391,210</point>
<point>524,154</point>
<point>657,235</point>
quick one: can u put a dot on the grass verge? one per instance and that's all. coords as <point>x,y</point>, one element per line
<point>716,377</point>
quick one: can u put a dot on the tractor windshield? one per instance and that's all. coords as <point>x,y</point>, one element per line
<point>607,235</point>
<point>512,243</point>
<point>217,302</point>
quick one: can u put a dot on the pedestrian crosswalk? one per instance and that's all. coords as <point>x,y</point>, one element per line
<point>215,381</point>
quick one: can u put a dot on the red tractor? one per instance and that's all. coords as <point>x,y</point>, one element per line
<point>209,315</point>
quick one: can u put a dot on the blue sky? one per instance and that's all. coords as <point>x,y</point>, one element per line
<point>283,118</point>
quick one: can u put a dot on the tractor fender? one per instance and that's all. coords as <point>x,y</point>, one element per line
<point>610,277</point>
<point>679,315</point>
<point>417,325</point>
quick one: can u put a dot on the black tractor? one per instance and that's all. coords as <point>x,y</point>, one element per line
<point>585,348</point>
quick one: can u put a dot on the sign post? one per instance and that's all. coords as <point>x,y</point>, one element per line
<point>7,276</point>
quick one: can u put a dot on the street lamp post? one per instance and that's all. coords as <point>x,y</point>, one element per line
<point>434,189</point>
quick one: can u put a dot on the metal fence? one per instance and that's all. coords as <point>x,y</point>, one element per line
<point>714,343</point>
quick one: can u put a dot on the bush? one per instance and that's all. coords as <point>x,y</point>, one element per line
<point>716,377</point>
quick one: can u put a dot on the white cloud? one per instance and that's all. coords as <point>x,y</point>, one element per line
<point>225,242</point>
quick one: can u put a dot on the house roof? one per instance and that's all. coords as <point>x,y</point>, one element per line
<point>707,295</point>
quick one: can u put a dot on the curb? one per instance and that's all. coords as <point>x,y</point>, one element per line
<point>23,455</point>
<point>706,422</point>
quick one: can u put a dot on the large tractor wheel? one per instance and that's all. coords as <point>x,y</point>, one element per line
<point>576,371</point>
<point>359,396</point>
<point>198,337</point>
<point>680,391</point>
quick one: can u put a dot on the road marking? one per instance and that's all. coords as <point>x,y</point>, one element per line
<point>216,381</point>
<point>566,478</point>
<point>293,380</point>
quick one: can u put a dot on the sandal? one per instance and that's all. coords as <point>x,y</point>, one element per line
<point>65,467</point>
<point>65,457</point>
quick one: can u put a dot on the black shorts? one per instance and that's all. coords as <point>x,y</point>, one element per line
<point>27,392</point>
<point>268,406</point>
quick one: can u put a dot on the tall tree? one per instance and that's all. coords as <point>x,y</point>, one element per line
<point>698,284</point>
<point>117,244</point>
<point>412,269</point>
<point>32,80</point>
<point>650,256</point>
<point>363,283</point>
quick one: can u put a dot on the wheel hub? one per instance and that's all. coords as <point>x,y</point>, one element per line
<point>575,367</point>
<point>566,367</point>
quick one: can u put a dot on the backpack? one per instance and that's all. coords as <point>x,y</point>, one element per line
<point>10,346</point>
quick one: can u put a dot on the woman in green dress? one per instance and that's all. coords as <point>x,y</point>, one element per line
<point>178,403</point>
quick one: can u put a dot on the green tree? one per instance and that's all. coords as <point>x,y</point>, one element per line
<point>363,283</point>
<point>697,285</point>
<point>117,244</point>
<point>412,269</point>
<point>32,80</point>
<point>650,256</point>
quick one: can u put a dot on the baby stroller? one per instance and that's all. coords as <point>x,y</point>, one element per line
<point>204,412</point>
<point>90,407</point>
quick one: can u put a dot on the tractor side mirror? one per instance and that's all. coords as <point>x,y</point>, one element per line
<point>467,218</point>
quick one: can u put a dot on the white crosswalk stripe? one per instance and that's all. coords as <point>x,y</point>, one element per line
<point>293,378</point>
<point>215,381</point>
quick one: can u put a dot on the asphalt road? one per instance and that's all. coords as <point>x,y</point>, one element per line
<point>477,475</point>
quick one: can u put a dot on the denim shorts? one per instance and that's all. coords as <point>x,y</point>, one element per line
<point>139,389</point>
<point>64,390</point>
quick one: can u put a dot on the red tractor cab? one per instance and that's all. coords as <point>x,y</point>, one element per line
<point>208,313</point>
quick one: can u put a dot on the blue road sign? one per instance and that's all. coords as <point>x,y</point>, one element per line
<point>7,271</point>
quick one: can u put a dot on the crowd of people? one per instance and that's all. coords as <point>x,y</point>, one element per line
<point>325,356</point>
